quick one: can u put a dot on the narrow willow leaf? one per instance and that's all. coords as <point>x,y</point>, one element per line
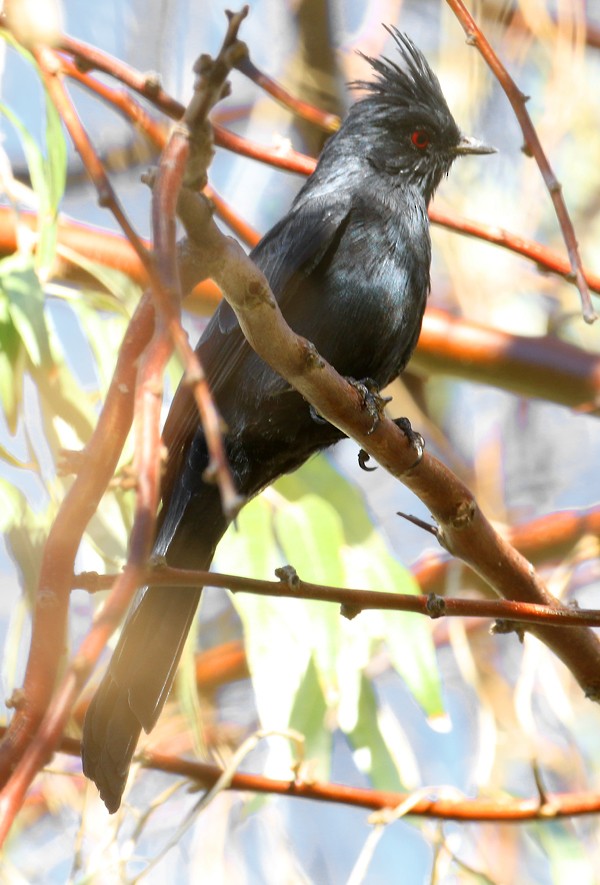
<point>308,716</point>
<point>567,855</point>
<point>275,643</point>
<point>12,362</point>
<point>359,557</point>
<point>25,302</point>
<point>371,753</point>
<point>311,536</point>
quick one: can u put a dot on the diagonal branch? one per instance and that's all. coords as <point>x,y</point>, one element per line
<point>462,528</point>
<point>533,146</point>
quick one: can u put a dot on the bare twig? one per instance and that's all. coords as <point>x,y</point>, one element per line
<point>358,600</point>
<point>326,121</point>
<point>542,540</point>
<point>533,146</point>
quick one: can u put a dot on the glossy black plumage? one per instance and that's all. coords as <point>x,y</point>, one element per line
<point>349,266</point>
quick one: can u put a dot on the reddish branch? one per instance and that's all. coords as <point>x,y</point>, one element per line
<point>547,539</point>
<point>26,746</point>
<point>482,810</point>
<point>544,367</point>
<point>90,57</point>
<point>463,529</point>
<point>533,147</point>
<point>52,599</point>
<point>354,601</point>
<point>503,809</point>
<point>102,246</point>
<point>545,258</point>
<point>326,121</point>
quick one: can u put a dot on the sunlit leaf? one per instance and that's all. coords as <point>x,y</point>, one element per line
<point>276,646</point>
<point>372,754</point>
<point>308,716</point>
<point>12,364</point>
<point>25,300</point>
<point>567,856</point>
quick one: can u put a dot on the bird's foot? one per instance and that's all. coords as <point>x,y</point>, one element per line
<point>372,400</point>
<point>414,438</point>
<point>318,419</point>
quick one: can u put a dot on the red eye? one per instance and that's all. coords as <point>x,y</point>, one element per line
<point>420,139</point>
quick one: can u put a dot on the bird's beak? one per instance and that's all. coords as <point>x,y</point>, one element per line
<point>470,145</point>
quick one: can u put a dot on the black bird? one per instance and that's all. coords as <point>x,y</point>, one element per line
<point>349,265</point>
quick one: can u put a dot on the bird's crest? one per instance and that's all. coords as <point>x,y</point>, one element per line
<point>412,83</point>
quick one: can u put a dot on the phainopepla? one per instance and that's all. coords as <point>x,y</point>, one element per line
<point>349,266</point>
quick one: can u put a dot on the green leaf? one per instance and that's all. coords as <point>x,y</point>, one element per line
<point>25,301</point>
<point>308,716</point>
<point>322,527</point>
<point>566,854</point>
<point>48,173</point>
<point>276,645</point>
<point>311,535</point>
<point>12,364</point>
<point>318,476</point>
<point>33,154</point>
<point>56,160</point>
<point>348,551</point>
<point>372,754</point>
<point>12,504</point>
<point>407,636</point>
<point>24,532</point>
<point>122,293</point>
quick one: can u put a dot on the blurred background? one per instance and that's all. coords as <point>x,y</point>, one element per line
<point>388,701</point>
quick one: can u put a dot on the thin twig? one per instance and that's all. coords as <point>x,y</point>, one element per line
<point>533,146</point>
<point>359,600</point>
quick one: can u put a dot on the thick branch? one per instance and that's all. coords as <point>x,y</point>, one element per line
<point>463,529</point>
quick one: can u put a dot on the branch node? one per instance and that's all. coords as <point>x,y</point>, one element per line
<point>502,627</point>
<point>349,611</point>
<point>152,84</point>
<point>288,575</point>
<point>465,513</point>
<point>435,606</point>
<point>311,355</point>
<point>17,700</point>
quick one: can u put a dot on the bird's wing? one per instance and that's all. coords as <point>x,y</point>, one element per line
<point>287,254</point>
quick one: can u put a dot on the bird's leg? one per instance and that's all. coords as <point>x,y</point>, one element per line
<point>372,401</point>
<point>414,438</point>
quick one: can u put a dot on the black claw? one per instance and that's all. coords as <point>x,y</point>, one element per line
<point>318,419</point>
<point>373,402</point>
<point>363,457</point>
<point>414,438</point>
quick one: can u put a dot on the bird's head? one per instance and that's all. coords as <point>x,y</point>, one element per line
<point>403,126</point>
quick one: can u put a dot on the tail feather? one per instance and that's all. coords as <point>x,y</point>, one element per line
<point>110,734</point>
<point>136,685</point>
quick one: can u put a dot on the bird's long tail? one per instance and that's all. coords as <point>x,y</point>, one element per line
<point>142,669</point>
<point>135,687</point>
